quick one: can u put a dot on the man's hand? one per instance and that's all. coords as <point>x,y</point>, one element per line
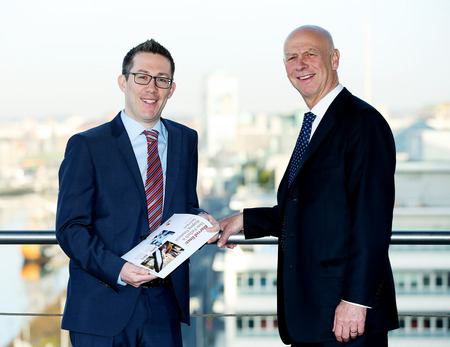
<point>349,321</point>
<point>230,226</point>
<point>135,275</point>
<point>216,227</point>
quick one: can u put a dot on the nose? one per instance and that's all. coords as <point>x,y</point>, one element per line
<point>151,87</point>
<point>301,64</point>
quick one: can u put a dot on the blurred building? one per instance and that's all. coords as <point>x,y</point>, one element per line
<point>221,110</point>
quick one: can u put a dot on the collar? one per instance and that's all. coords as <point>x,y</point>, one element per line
<point>322,106</point>
<point>135,129</point>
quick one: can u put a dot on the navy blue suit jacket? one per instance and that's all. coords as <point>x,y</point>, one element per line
<point>102,214</point>
<point>337,219</point>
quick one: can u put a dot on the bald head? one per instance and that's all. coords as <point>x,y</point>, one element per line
<point>321,33</point>
<point>311,62</point>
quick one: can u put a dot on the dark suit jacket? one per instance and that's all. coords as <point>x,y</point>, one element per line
<point>337,218</point>
<point>102,213</point>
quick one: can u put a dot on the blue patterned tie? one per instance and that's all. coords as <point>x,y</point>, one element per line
<point>302,143</point>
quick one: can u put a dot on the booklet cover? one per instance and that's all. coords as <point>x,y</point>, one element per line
<point>171,244</point>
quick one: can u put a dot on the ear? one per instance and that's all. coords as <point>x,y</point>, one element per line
<point>172,89</point>
<point>122,81</point>
<point>335,59</point>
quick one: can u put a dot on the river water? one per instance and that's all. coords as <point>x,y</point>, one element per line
<point>27,287</point>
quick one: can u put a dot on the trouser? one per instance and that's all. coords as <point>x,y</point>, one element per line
<point>154,323</point>
<point>369,340</point>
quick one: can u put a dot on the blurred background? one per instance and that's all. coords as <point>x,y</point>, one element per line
<point>59,66</point>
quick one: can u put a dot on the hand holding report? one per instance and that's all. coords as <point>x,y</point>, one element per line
<point>171,244</point>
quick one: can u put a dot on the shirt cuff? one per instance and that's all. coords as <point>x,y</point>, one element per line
<point>119,281</point>
<point>352,303</point>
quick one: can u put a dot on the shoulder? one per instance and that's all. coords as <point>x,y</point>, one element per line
<point>350,102</point>
<point>173,126</point>
<point>357,111</point>
<point>100,132</point>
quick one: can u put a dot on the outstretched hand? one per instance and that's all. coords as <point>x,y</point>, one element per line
<point>230,226</point>
<point>215,225</point>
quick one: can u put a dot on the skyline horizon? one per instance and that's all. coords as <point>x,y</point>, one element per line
<point>65,57</point>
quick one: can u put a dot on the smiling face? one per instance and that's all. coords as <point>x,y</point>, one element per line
<point>145,103</point>
<point>311,63</point>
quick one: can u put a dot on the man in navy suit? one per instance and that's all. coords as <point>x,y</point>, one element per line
<point>334,214</point>
<point>102,213</point>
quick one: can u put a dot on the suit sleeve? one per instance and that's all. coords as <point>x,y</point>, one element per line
<point>193,204</point>
<point>370,189</point>
<point>75,230</point>
<point>262,221</point>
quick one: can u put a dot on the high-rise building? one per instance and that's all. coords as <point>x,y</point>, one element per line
<point>221,111</point>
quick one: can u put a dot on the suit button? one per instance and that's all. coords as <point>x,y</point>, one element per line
<point>291,267</point>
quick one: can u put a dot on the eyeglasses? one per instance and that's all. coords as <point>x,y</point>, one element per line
<point>144,79</point>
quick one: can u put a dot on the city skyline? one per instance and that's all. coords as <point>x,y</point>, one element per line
<point>62,58</point>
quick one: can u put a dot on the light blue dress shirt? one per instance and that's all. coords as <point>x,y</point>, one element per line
<point>139,143</point>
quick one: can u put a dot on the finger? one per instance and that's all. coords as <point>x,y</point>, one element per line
<point>213,239</point>
<point>360,329</point>
<point>223,239</point>
<point>338,333</point>
<point>345,335</point>
<point>141,271</point>
<point>214,229</point>
<point>230,245</point>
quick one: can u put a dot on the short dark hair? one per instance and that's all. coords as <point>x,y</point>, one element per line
<point>150,46</point>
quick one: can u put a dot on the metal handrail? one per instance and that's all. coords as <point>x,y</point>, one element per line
<point>399,237</point>
<point>406,237</point>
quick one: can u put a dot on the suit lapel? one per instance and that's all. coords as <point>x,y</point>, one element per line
<point>173,165</point>
<point>125,150</point>
<point>326,125</point>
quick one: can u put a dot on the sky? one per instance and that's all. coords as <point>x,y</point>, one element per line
<point>63,57</point>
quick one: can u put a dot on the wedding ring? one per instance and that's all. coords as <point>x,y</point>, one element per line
<point>353,332</point>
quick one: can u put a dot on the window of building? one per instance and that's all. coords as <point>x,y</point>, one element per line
<point>239,280</point>
<point>239,323</point>
<point>263,323</point>
<point>439,280</point>
<point>263,281</point>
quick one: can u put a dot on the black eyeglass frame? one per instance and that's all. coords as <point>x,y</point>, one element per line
<point>151,78</point>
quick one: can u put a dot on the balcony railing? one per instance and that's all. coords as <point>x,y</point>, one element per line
<point>416,237</point>
<point>47,237</point>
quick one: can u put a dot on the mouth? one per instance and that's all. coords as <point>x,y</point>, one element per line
<point>304,78</point>
<point>148,101</point>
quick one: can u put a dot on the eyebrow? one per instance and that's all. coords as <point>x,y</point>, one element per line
<point>163,74</point>
<point>306,50</point>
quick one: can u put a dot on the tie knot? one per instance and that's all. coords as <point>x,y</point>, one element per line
<point>309,117</point>
<point>151,135</point>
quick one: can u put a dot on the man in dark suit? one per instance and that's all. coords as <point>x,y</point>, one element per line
<point>102,213</point>
<point>334,210</point>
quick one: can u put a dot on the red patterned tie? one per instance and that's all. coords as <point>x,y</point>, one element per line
<point>154,181</point>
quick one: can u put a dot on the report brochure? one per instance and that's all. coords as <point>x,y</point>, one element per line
<point>171,244</point>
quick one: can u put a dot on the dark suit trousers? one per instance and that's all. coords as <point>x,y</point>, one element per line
<point>155,322</point>
<point>370,340</point>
